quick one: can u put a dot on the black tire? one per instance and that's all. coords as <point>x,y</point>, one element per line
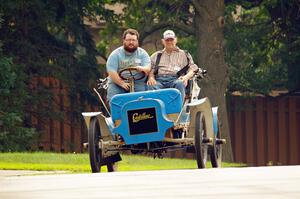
<point>201,149</point>
<point>216,152</point>
<point>95,152</point>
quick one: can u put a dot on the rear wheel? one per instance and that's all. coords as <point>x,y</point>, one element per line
<point>216,152</point>
<point>201,149</point>
<point>95,151</point>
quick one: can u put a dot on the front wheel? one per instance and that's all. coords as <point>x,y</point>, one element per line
<point>95,151</point>
<point>201,148</point>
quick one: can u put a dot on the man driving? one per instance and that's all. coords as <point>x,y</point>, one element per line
<point>130,55</point>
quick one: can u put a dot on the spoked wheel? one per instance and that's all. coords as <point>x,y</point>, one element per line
<point>216,151</point>
<point>201,149</point>
<point>95,151</point>
<point>131,73</point>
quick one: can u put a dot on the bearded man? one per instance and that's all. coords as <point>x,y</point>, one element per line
<point>128,55</point>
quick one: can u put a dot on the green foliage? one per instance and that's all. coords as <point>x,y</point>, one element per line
<point>250,54</point>
<point>7,75</point>
<point>44,39</point>
<point>13,136</point>
<point>149,17</point>
<point>17,138</point>
<point>188,43</point>
<point>262,43</point>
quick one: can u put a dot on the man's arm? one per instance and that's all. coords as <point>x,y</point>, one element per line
<point>117,80</point>
<point>145,69</point>
<point>146,62</point>
<point>186,77</point>
<point>151,78</point>
<point>112,65</point>
<point>192,68</point>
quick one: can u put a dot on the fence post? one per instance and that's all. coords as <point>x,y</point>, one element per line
<point>283,132</point>
<point>293,138</point>
<point>261,133</point>
<point>249,132</point>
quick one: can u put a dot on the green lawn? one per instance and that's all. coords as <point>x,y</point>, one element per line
<point>79,163</point>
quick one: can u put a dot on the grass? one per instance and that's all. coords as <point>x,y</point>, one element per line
<point>79,163</point>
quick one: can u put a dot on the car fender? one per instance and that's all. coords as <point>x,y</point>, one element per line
<point>104,122</point>
<point>202,105</point>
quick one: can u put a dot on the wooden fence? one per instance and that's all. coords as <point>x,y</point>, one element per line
<point>64,133</point>
<point>264,130</point>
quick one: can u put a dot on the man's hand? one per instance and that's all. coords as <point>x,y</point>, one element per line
<point>125,85</point>
<point>184,79</point>
<point>151,81</point>
<point>117,80</point>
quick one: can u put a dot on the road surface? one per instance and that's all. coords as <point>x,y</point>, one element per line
<point>253,182</point>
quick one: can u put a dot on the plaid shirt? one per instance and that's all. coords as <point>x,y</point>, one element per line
<point>170,64</point>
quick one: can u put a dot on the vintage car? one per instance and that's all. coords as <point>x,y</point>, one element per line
<point>153,122</point>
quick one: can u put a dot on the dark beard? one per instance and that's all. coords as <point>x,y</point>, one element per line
<point>130,50</point>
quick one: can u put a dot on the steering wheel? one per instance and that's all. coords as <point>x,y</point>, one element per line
<point>131,73</point>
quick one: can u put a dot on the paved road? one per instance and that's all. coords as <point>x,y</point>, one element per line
<point>260,182</point>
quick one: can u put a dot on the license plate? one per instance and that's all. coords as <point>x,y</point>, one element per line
<point>142,121</point>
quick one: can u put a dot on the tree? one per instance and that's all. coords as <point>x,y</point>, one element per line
<point>13,135</point>
<point>202,20</point>
<point>262,41</point>
<point>49,39</point>
<point>210,23</point>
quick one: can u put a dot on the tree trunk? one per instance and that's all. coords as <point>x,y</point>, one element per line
<point>209,31</point>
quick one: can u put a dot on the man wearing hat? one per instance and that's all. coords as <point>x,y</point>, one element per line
<point>167,65</point>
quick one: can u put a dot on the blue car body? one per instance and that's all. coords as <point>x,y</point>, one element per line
<point>143,116</point>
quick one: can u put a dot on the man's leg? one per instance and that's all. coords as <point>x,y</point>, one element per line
<point>157,86</point>
<point>178,84</point>
<point>173,82</point>
<point>141,86</point>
